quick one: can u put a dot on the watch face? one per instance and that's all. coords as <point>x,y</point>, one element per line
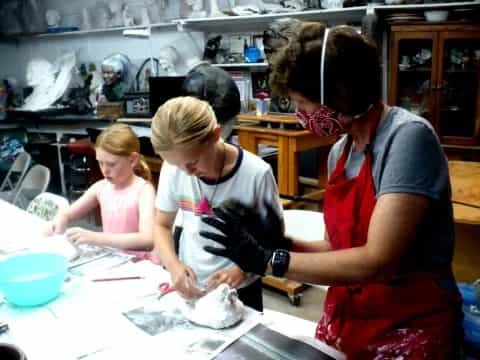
<point>280,261</point>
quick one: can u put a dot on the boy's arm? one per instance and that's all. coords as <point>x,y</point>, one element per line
<point>163,239</point>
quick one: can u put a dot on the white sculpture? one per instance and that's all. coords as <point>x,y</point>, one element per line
<point>153,9</point>
<point>261,6</point>
<point>197,10</point>
<point>49,81</point>
<point>127,16</point>
<point>102,17</point>
<point>52,17</point>
<point>219,309</point>
<point>86,20</point>
<point>214,9</point>
<point>144,16</point>
<point>116,7</point>
<point>169,58</point>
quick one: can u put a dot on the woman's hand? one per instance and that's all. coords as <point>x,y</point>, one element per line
<point>78,235</point>
<point>267,230</point>
<point>184,280</point>
<point>233,277</point>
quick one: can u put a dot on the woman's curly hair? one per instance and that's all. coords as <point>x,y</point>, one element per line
<point>352,68</point>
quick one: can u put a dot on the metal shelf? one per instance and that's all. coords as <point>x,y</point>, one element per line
<point>259,22</point>
<point>93,32</point>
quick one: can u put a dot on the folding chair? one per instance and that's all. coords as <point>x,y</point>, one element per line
<point>47,205</point>
<point>14,177</point>
<point>35,182</point>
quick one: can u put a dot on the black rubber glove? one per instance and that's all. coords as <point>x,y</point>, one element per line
<point>239,245</point>
<point>267,230</point>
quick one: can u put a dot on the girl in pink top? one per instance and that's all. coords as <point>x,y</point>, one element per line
<point>125,196</point>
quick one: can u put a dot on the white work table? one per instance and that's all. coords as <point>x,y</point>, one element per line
<point>89,320</point>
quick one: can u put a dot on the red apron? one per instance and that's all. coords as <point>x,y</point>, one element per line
<point>409,316</point>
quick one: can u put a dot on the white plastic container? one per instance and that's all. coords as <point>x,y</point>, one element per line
<point>436,15</point>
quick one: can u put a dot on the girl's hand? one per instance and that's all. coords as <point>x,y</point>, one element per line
<point>78,235</point>
<point>50,228</point>
<point>56,226</point>
<point>233,277</point>
<point>184,280</point>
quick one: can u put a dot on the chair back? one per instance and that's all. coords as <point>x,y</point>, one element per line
<point>304,225</point>
<point>47,205</point>
<point>35,182</point>
<point>15,174</point>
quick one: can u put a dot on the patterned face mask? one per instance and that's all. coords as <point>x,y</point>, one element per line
<point>324,121</point>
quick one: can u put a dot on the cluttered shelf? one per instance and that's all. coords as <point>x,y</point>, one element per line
<point>236,23</point>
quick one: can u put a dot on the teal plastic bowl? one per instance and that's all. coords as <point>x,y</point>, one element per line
<point>33,278</point>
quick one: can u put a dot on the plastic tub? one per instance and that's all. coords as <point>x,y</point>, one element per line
<point>436,15</point>
<point>471,330</point>
<point>34,278</point>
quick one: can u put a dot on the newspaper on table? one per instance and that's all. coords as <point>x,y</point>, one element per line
<point>264,343</point>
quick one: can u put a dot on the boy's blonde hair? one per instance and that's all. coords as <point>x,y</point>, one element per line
<point>120,140</point>
<point>182,121</point>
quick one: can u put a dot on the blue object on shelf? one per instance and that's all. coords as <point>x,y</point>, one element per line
<point>251,54</point>
<point>468,294</point>
<point>33,278</point>
<point>471,327</point>
<point>62,29</point>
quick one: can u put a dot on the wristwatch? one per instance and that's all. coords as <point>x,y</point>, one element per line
<point>279,262</point>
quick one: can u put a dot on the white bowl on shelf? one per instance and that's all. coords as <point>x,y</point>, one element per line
<point>436,15</point>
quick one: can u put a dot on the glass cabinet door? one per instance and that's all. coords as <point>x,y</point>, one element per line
<point>414,73</point>
<point>458,87</point>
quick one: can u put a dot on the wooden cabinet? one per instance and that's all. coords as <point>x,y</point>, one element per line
<point>434,72</point>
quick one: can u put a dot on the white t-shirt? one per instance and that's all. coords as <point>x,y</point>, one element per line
<point>250,181</point>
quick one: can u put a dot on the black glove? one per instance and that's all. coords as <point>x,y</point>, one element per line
<point>239,245</point>
<point>267,230</point>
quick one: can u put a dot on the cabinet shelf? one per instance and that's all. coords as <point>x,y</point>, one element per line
<point>449,94</point>
<point>415,70</point>
<point>462,71</point>
<point>242,65</point>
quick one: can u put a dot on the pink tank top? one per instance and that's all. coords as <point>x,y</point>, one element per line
<point>120,215</point>
<point>119,208</point>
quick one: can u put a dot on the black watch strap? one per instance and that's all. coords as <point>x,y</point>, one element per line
<point>279,262</point>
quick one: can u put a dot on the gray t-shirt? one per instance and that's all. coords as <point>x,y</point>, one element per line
<point>408,158</point>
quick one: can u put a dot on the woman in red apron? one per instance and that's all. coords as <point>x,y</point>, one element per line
<point>392,293</point>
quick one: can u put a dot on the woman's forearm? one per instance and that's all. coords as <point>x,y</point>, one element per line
<point>310,246</point>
